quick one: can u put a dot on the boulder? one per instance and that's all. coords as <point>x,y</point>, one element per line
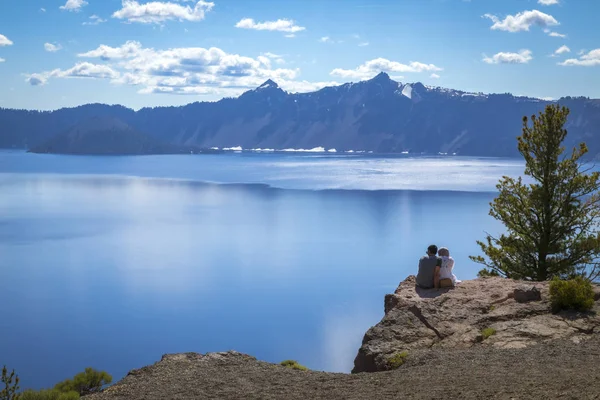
<point>519,316</point>
<point>525,294</point>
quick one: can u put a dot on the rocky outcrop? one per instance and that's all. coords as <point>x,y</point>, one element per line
<point>525,294</point>
<point>514,315</point>
<point>558,369</point>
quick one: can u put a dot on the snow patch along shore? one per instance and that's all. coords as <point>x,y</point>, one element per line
<point>260,150</point>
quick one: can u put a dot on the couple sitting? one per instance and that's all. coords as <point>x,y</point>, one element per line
<point>435,269</point>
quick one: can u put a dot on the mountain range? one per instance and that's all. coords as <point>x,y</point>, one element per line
<point>378,115</point>
<point>107,136</point>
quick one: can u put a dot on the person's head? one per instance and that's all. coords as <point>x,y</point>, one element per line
<point>432,250</point>
<point>444,252</point>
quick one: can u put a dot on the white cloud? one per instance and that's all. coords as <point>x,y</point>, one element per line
<point>522,21</point>
<point>42,9</point>
<point>361,43</point>
<point>129,49</point>
<point>522,57</point>
<point>157,12</point>
<point>80,70</point>
<point>555,34</point>
<point>548,2</point>
<point>182,90</point>
<point>211,65</point>
<point>325,39</point>
<point>86,70</point>
<point>590,59</point>
<point>2,60</point>
<point>74,5</point>
<point>562,49</point>
<point>274,57</point>
<point>434,76</point>
<point>188,70</point>
<point>52,48</point>
<point>95,20</point>
<point>37,79</point>
<point>281,25</point>
<point>4,41</point>
<point>373,67</point>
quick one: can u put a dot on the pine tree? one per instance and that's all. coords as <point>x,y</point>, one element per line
<point>11,385</point>
<point>552,224</point>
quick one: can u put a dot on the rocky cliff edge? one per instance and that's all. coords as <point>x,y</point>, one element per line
<point>513,313</point>
<point>533,354</point>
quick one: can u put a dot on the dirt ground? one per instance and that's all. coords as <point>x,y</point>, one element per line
<point>556,370</point>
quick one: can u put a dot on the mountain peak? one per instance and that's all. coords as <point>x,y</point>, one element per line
<point>382,76</point>
<point>419,86</point>
<point>269,84</point>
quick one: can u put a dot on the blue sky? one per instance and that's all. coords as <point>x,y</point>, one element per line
<point>58,53</point>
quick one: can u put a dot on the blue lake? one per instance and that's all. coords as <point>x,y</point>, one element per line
<point>111,262</point>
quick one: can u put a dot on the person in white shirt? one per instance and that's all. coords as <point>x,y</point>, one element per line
<point>447,277</point>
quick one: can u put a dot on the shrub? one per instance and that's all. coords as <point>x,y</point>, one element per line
<point>487,332</point>
<point>484,273</point>
<point>11,385</point>
<point>294,365</point>
<point>89,381</point>
<point>397,360</point>
<point>575,294</point>
<point>50,394</point>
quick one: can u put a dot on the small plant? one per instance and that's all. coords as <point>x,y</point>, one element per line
<point>50,394</point>
<point>485,273</point>
<point>11,383</point>
<point>575,294</point>
<point>488,309</point>
<point>87,382</point>
<point>487,332</point>
<point>397,360</point>
<point>293,364</point>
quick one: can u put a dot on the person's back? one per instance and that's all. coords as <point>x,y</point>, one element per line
<point>446,268</point>
<point>447,277</point>
<point>427,265</point>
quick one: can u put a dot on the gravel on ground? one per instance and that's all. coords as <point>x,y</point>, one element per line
<point>555,370</point>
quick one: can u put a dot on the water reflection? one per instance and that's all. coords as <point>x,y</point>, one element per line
<point>289,171</point>
<point>343,328</point>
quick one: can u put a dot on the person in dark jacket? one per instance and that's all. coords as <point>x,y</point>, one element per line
<point>428,276</point>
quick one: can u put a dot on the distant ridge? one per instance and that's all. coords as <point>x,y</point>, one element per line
<point>106,136</point>
<point>378,115</point>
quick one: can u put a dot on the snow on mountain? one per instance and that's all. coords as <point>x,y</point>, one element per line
<point>407,91</point>
<point>268,84</point>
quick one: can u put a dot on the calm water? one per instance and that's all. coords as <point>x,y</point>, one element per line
<point>112,262</point>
